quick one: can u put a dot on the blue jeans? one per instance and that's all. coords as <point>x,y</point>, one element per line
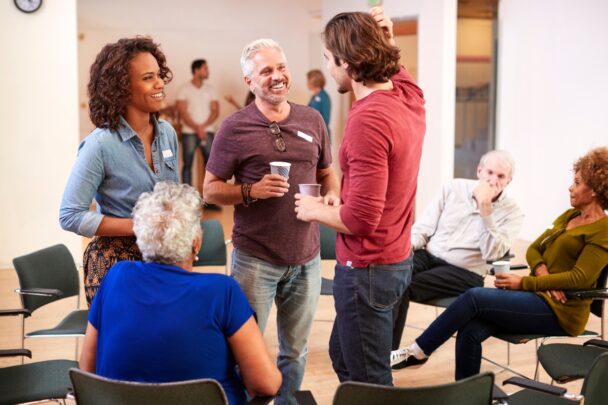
<point>478,314</point>
<point>360,342</point>
<point>189,144</point>
<point>295,290</point>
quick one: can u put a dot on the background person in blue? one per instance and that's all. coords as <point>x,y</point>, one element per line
<point>157,321</point>
<point>320,99</point>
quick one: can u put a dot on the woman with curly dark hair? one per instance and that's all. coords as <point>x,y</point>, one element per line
<point>570,255</point>
<point>127,154</point>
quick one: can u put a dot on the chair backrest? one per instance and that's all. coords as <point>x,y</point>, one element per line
<point>91,389</point>
<point>476,390</point>
<point>595,389</point>
<point>328,243</point>
<point>213,249</point>
<point>597,306</point>
<point>52,268</point>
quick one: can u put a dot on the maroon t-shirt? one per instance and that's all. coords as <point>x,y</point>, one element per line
<point>380,157</point>
<point>244,147</point>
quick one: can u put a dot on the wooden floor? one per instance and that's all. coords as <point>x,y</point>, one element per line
<point>319,376</point>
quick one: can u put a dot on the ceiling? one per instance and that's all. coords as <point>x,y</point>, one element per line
<point>481,9</point>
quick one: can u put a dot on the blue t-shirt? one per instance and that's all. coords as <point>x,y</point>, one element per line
<point>160,323</point>
<point>322,104</point>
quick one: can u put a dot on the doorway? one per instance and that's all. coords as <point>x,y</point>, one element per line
<point>476,53</point>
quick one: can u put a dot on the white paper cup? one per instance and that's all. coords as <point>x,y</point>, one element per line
<point>310,189</point>
<point>281,168</point>
<point>501,266</point>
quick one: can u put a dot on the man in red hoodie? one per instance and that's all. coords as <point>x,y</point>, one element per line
<point>379,157</point>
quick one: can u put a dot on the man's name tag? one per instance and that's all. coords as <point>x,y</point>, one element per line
<point>167,153</point>
<point>305,136</point>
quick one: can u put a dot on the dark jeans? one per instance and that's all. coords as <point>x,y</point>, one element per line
<point>360,342</point>
<point>189,144</point>
<point>478,314</point>
<point>432,278</point>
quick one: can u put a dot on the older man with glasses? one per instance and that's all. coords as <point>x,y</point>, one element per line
<point>276,257</point>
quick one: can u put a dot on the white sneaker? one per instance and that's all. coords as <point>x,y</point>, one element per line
<point>404,357</point>
<point>399,355</point>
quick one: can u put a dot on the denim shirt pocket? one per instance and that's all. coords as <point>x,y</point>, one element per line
<point>171,163</point>
<point>387,284</point>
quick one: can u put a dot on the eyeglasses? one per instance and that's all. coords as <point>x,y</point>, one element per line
<point>279,142</point>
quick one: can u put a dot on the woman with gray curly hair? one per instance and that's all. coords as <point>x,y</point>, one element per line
<point>157,321</point>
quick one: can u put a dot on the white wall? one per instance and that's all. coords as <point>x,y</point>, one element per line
<point>551,95</point>
<point>552,89</point>
<point>436,77</point>
<point>190,29</point>
<point>38,124</point>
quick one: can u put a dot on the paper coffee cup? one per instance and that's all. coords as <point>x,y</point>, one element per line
<point>310,189</point>
<point>281,168</point>
<point>501,266</point>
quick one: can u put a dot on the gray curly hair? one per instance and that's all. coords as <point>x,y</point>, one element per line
<point>254,47</point>
<point>166,221</point>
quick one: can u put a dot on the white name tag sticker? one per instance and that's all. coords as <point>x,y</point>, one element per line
<point>167,153</point>
<point>305,136</point>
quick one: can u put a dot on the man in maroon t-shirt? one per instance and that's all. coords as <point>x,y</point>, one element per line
<point>379,157</point>
<point>276,257</point>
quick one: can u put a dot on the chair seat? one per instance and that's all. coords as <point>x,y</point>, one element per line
<point>74,324</point>
<point>567,362</point>
<point>440,302</point>
<point>520,338</point>
<point>527,397</point>
<point>35,381</point>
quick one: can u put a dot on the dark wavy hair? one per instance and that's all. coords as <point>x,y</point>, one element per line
<point>109,85</point>
<point>593,168</point>
<point>357,39</point>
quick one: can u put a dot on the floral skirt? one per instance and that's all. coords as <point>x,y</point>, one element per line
<point>101,254</point>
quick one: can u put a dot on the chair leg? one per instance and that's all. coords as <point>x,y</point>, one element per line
<point>23,337</point>
<point>76,350</point>
<point>537,368</point>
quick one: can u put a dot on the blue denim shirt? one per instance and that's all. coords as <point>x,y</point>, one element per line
<point>111,167</point>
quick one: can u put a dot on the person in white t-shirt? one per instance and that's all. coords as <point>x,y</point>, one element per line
<point>198,107</point>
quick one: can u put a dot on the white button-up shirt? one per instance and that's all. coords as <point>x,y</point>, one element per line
<point>452,229</point>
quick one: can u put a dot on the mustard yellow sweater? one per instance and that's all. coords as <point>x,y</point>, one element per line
<point>575,258</point>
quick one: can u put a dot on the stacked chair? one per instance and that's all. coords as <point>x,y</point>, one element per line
<point>593,392</point>
<point>45,276</point>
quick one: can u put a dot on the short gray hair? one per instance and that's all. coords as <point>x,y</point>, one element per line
<point>254,47</point>
<point>166,221</point>
<point>503,156</point>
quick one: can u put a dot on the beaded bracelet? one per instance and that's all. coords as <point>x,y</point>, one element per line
<point>246,194</point>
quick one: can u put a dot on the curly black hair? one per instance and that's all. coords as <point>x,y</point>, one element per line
<point>109,85</point>
<point>593,168</point>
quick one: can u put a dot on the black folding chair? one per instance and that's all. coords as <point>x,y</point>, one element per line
<point>46,276</point>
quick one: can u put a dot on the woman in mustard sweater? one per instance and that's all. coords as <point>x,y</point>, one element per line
<point>570,255</point>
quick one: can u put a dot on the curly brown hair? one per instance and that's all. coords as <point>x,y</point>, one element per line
<point>357,39</point>
<point>109,86</point>
<point>593,168</point>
